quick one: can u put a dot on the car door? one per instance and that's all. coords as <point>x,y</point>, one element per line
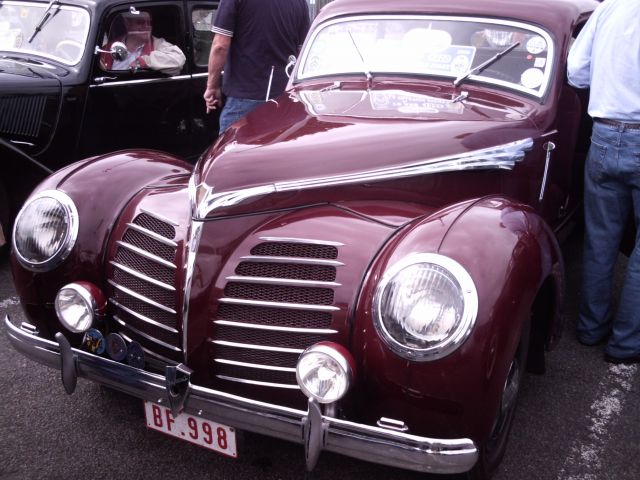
<point>204,126</point>
<point>140,104</point>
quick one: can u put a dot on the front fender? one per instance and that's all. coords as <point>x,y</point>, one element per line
<point>510,254</point>
<point>100,187</point>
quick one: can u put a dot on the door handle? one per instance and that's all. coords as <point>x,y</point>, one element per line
<point>99,80</point>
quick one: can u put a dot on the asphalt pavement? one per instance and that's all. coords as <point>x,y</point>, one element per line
<point>579,421</point>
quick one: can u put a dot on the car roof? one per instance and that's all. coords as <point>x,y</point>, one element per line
<point>554,15</point>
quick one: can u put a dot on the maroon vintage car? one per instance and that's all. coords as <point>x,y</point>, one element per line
<point>366,265</point>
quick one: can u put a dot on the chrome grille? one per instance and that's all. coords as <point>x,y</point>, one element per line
<point>144,294</point>
<point>279,301</point>
<point>22,115</point>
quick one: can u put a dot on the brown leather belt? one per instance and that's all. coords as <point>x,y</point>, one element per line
<point>615,123</point>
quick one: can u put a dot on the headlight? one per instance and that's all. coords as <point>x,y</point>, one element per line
<point>324,372</point>
<point>45,230</point>
<point>77,304</point>
<point>425,306</point>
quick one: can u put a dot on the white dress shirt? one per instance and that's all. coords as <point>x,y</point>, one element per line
<point>606,58</point>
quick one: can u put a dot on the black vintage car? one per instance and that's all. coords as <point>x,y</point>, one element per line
<point>60,101</point>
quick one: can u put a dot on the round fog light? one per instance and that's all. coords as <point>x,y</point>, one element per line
<point>76,306</point>
<point>325,372</point>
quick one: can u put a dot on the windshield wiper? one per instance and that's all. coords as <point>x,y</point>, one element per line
<point>45,16</point>
<point>484,65</point>
<point>364,64</point>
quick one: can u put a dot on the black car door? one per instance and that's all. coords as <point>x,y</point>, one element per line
<point>141,99</point>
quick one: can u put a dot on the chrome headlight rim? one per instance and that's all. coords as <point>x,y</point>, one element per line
<point>337,354</point>
<point>90,303</point>
<point>466,323</point>
<point>70,237</point>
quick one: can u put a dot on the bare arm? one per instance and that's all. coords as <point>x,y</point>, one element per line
<point>217,59</point>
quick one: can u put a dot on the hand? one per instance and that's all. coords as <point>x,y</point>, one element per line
<point>212,98</point>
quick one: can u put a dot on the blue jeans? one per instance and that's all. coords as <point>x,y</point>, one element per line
<point>611,195</point>
<point>234,109</point>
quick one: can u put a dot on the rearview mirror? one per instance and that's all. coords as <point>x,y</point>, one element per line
<point>118,51</point>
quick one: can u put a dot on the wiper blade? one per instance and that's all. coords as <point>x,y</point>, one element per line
<point>364,63</point>
<point>45,16</point>
<point>484,65</point>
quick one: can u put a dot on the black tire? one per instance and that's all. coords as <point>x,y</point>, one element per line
<point>492,451</point>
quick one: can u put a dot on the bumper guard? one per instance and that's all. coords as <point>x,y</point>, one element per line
<point>315,431</point>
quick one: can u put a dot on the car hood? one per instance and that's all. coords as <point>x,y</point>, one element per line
<point>17,76</point>
<point>313,137</point>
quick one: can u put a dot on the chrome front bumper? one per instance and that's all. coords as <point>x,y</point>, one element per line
<point>316,431</point>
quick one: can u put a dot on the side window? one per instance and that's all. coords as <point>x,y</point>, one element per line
<point>202,19</point>
<point>315,6</point>
<point>145,40</point>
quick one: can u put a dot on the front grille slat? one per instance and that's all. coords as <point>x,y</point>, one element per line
<point>269,328</point>
<point>256,366</point>
<point>142,298</point>
<point>145,254</point>
<point>293,306</point>
<point>279,293</point>
<point>143,277</point>
<point>145,335</point>
<point>283,282</point>
<point>269,358</point>
<point>260,348</point>
<point>142,317</point>
<point>279,302</point>
<point>144,294</point>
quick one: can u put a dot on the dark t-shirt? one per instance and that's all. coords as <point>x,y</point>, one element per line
<point>264,33</point>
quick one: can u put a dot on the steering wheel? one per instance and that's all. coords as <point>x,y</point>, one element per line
<point>69,49</point>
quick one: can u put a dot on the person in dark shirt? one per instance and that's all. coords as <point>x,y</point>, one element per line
<point>252,43</point>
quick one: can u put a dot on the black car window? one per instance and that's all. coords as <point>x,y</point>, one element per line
<point>148,40</point>
<point>202,19</point>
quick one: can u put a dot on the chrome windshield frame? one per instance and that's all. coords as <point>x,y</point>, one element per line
<point>534,29</point>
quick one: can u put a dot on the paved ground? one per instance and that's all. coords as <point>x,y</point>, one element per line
<point>579,421</point>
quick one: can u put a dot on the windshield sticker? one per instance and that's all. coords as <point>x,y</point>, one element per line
<point>453,60</point>
<point>536,45</point>
<point>532,78</point>
<point>540,62</point>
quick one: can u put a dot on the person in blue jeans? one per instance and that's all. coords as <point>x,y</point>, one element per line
<point>252,44</point>
<point>605,57</point>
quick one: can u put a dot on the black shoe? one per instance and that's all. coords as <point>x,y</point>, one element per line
<point>625,361</point>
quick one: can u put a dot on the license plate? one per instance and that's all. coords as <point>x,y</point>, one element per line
<point>207,434</point>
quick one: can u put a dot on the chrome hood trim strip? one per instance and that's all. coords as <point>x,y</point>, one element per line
<point>501,157</point>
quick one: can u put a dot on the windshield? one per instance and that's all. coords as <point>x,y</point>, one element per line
<point>61,37</point>
<point>434,46</point>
